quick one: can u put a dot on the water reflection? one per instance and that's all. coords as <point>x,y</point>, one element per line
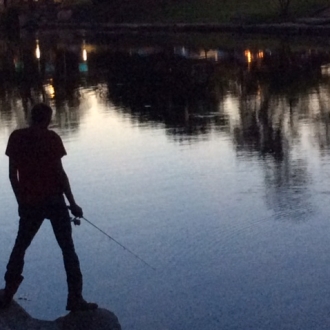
<point>259,98</point>
<point>254,95</point>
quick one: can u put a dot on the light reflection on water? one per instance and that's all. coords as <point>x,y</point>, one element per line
<point>227,199</point>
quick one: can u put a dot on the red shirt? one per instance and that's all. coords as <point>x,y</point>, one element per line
<point>36,152</point>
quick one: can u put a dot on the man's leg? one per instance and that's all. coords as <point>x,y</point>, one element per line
<point>61,223</point>
<point>63,233</point>
<point>29,225</point>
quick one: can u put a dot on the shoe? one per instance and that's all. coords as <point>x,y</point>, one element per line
<point>5,301</point>
<point>80,305</point>
<point>9,292</point>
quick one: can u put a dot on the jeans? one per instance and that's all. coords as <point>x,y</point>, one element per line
<point>31,218</point>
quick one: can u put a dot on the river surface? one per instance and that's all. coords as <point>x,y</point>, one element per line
<point>209,162</point>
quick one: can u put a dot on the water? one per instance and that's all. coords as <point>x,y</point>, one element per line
<point>215,174</point>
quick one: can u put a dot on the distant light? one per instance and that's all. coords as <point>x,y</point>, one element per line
<point>325,70</point>
<point>248,56</point>
<point>38,50</point>
<point>49,89</point>
<point>84,54</point>
<point>84,51</point>
<point>83,67</point>
<point>260,54</point>
<point>212,54</point>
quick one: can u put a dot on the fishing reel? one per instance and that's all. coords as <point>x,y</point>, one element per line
<point>76,221</point>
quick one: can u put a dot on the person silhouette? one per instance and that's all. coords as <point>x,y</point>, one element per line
<point>40,185</point>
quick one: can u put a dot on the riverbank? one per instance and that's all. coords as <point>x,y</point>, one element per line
<point>131,17</point>
<point>316,24</point>
<point>193,11</point>
<point>313,26</point>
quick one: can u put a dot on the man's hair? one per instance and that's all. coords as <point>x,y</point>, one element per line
<point>41,113</point>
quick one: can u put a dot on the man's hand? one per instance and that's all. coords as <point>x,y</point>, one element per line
<point>76,210</point>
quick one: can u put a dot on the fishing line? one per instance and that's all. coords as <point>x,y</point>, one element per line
<point>77,221</point>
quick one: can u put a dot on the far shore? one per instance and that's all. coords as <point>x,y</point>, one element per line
<point>144,16</point>
<point>308,27</point>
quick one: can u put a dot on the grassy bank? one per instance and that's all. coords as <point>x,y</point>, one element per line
<point>177,11</point>
<point>198,11</point>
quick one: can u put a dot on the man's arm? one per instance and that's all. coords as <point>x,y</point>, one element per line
<point>75,209</point>
<point>13,177</point>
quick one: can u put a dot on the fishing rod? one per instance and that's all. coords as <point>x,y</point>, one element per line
<point>77,222</point>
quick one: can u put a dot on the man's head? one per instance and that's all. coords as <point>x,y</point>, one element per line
<point>41,115</point>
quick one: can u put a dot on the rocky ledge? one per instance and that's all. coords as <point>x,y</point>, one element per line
<point>16,318</point>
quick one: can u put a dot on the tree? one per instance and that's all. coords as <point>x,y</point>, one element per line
<point>284,7</point>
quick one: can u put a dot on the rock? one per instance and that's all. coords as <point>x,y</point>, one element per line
<point>16,318</point>
<point>100,319</point>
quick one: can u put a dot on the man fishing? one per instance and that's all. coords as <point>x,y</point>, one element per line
<point>40,183</point>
